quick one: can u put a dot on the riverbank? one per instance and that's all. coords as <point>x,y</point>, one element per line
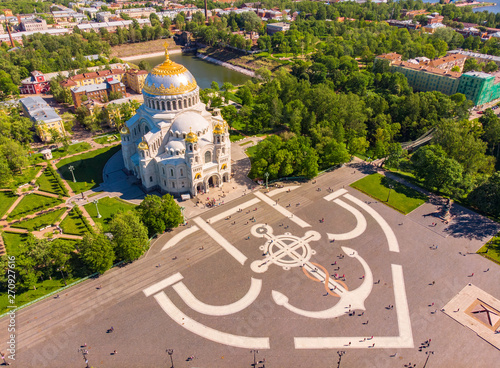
<point>141,48</point>
<point>150,55</point>
<point>475,4</point>
<point>238,69</point>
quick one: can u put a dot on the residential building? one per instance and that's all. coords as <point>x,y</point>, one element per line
<point>408,24</point>
<point>481,58</point>
<point>35,84</point>
<point>272,28</point>
<point>447,63</point>
<point>96,77</point>
<point>97,92</point>
<point>18,36</point>
<point>43,117</point>
<point>431,28</point>
<point>135,78</point>
<point>136,12</point>
<point>479,87</point>
<point>33,25</point>
<point>103,16</point>
<point>413,13</point>
<point>111,26</point>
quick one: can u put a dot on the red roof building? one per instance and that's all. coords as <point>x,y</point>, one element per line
<point>35,84</point>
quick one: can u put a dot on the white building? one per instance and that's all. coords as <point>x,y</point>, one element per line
<point>172,143</point>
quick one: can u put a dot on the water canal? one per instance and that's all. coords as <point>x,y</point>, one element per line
<point>204,72</point>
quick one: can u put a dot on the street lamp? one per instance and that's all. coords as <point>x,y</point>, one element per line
<point>62,274</point>
<point>267,177</point>
<point>429,353</point>
<point>182,211</point>
<point>97,208</point>
<point>84,353</point>
<point>340,353</point>
<point>389,195</point>
<point>71,168</point>
<point>170,352</point>
<point>254,359</point>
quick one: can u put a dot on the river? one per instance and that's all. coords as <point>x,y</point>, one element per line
<point>204,72</point>
<point>491,9</point>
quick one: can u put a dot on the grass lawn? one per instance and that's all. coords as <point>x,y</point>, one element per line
<point>73,224</point>
<point>40,221</point>
<point>87,168</point>
<point>401,197</point>
<point>70,150</point>
<point>491,250</point>
<point>235,137</point>
<point>107,207</point>
<point>250,151</point>
<point>32,203</point>
<point>27,176</point>
<point>244,144</point>
<point>13,242</point>
<point>6,200</point>
<point>48,183</point>
<point>107,139</point>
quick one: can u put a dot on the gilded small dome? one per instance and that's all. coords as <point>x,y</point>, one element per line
<point>219,129</point>
<point>169,78</point>
<point>125,130</point>
<point>143,146</point>
<point>191,137</point>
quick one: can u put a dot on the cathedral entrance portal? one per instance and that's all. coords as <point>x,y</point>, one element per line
<point>200,188</point>
<point>213,181</point>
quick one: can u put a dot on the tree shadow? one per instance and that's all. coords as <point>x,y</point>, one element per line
<point>364,167</point>
<point>403,189</point>
<point>470,225</point>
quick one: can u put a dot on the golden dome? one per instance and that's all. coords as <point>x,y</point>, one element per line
<point>191,137</point>
<point>169,78</point>
<point>219,129</point>
<point>143,146</point>
<point>125,130</point>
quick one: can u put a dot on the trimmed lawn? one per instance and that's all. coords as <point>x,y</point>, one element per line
<point>250,151</point>
<point>40,221</point>
<point>401,197</point>
<point>73,224</point>
<point>491,250</point>
<point>13,242</point>
<point>6,200</point>
<point>107,207</point>
<point>107,139</point>
<point>235,137</point>
<point>71,150</point>
<point>27,176</point>
<point>49,184</point>
<point>87,168</point>
<point>32,203</point>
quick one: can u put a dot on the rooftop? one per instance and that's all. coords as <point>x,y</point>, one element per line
<point>39,111</point>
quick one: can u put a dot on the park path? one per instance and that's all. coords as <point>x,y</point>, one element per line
<point>5,225</point>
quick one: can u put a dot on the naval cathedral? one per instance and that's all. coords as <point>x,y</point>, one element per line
<point>173,144</point>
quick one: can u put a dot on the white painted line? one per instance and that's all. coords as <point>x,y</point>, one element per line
<point>219,310</point>
<point>360,226</point>
<point>178,237</point>
<point>153,289</point>
<point>403,312</point>
<point>228,247</point>
<point>233,210</point>
<point>404,340</point>
<point>335,194</point>
<point>281,190</point>
<point>281,210</point>
<point>389,234</point>
<point>207,332</point>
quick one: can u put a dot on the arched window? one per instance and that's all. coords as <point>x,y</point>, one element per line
<point>185,103</point>
<point>163,169</point>
<point>169,107</point>
<point>146,129</point>
<point>171,172</point>
<point>151,179</point>
<point>208,157</point>
<point>182,172</point>
<point>174,105</point>
<point>223,150</point>
<point>196,159</point>
<point>190,147</point>
<point>163,105</point>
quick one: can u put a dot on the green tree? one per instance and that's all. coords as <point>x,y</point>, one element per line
<point>486,197</point>
<point>96,251</point>
<point>435,168</point>
<point>159,214</point>
<point>130,236</point>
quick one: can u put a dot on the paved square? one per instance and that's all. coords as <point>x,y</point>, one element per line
<point>298,274</point>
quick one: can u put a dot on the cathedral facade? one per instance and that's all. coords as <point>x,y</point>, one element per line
<point>173,144</point>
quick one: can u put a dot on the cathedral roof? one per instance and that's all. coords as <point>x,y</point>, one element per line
<point>189,121</point>
<point>169,78</point>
